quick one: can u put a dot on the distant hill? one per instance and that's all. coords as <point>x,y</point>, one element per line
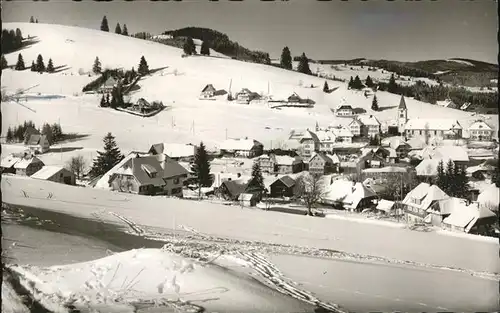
<point>458,71</point>
<point>219,42</point>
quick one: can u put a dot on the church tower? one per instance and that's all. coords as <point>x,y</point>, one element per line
<point>402,115</point>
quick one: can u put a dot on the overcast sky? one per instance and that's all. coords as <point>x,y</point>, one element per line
<point>399,30</point>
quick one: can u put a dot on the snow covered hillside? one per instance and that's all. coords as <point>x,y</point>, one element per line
<point>177,83</point>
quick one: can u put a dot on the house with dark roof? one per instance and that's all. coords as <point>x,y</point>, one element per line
<point>108,85</point>
<point>38,143</point>
<point>208,92</point>
<point>149,175</point>
<point>294,98</point>
<point>30,131</point>
<point>26,165</point>
<point>283,187</point>
<point>245,96</point>
<point>321,164</point>
<point>231,189</point>
<point>344,110</point>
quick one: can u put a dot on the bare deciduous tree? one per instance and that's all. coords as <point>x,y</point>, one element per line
<point>77,165</point>
<point>310,190</point>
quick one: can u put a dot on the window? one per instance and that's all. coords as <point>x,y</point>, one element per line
<point>402,114</point>
<point>176,180</point>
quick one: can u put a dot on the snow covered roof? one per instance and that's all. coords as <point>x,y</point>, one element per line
<point>239,144</point>
<point>286,180</point>
<point>432,124</point>
<point>47,172</point>
<point>368,120</point>
<point>341,132</point>
<point>175,150</point>
<point>416,143</point>
<point>387,169</point>
<point>481,167</point>
<point>9,161</point>
<point>360,192</point>
<point>338,190</point>
<point>479,125</point>
<point>246,196</point>
<point>325,135</point>
<point>385,205</point>
<point>455,153</point>
<point>335,158</point>
<point>102,183</point>
<point>394,142</point>
<point>428,167</point>
<point>23,163</point>
<point>446,103</point>
<point>286,160</point>
<point>466,216</point>
<point>448,206</point>
<point>426,193</point>
<point>490,197</point>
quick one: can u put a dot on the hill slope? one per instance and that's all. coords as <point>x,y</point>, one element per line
<point>187,119</point>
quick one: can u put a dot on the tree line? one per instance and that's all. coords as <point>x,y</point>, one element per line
<point>12,40</point>
<point>452,179</point>
<point>118,29</point>
<point>53,132</point>
<point>39,66</point>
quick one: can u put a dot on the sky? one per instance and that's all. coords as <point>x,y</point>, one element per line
<point>375,29</point>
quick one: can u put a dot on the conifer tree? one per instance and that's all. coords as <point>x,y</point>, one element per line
<point>357,83</point>
<point>114,99</point>
<point>441,179</point>
<point>325,87</point>
<point>32,20</point>
<point>47,131</point>
<point>56,131</point>
<point>40,66</point>
<point>303,66</point>
<point>205,49</point>
<point>286,59</point>
<point>108,102</point>
<point>201,168</point>
<point>4,62</point>
<point>96,68</point>
<point>369,82</point>
<point>392,87</point>
<point>104,24</point>
<point>19,37</point>
<point>107,159</point>
<point>33,66</point>
<point>125,30</point>
<point>36,21</point>
<point>375,103</point>
<point>118,29</point>
<point>189,46</point>
<point>103,101</point>
<point>20,63</point>
<point>256,184</point>
<point>10,135</point>
<point>50,67</point>
<point>143,68</point>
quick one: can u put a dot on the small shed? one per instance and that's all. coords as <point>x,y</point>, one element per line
<point>283,187</point>
<point>247,199</point>
<point>56,174</point>
<point>385,206</point>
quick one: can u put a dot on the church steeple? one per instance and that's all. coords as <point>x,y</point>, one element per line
<point>402,115</point>
<point>402,103</point>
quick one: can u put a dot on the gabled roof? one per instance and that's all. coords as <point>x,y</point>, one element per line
<point>325,135</point>
<point>31,131</point>
<point>341,131</point>
<point>402,104</point>
<point>355,120</point>
<point>335,158</point>
<point>174,150</point>
<point>34,139</point>
<point>246,196</point>
<point>368,120</point>
<point>322,156</point>
<point>309,135</point>
<point>426,193</point>
<point>455,153</point>
<point>490,197</point>
<point>23,163</point>
<point>385,205</point>
<point>344,107</point>
<point>209,87</point>
<point>9,161</point>
<point>47,172</point>
<point>360,192</point>
<point>239,144</point>
<point>480,125</point>
<point>286,180</point>
<point>234,188</point>
<point>286,160</point>
<point>433,124</point>
<point>142,167</point>
<point>143,102</point>
<point>449,205</point>
<point>110,82</point>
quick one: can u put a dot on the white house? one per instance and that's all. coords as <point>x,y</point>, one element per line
<point>355,126</point>
<point>343,134</point>
<point>176,151</point>
<point>208,92</point>
<point>38,143</point>
<point>244,96</point>
<point>481,131</point>
<point>371,125</point>
<point>326,140</point>
<point>419,200</point>
<point>433,128</point>
<point>344,110</point>
<point>248,148</point>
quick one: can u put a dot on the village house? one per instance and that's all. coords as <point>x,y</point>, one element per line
<point>208,92</point>
<point>470,219</point>
<point>267,163</point>
<point>482,171</point>
<point>326,139</point>
<point>342,134</point>
<point>175,151</point>
<point>401,147</point>
<point>385,206</point>
<point>289,165</point>
<point>30,131</point>
<point>355,127</point>
<point>25,165</point>
<point>143,106</point>
<point>480,131</point>
<point>248,148</point>
<point>348,195</point>
<point>245,96</point>
<point>419,200</point>
<point>458,154</point>
<point>248,199</point>
<point>432,129</point>
<point>38,143</point>
<point>56,174</point>
<point>283,187</point>
<point>294,98</point>
<point>371,126</point>
<point>321,164</point>
<point>309,143</point>
<point>149,175</point>
<point>441,209</point>
<point>354,163</point>
<point>344,110</point>
<point>489,198</point>
<point>232,189</point>
<point>108,85</point>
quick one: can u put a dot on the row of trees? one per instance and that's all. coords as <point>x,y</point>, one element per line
<point>452,179</point>
<point>33,20</point>
<point>118,30</point>
<point>12,40</point>
<point>189,47</point>
<point>39,66</point>
<point>286,62</point>
<point>53,132</point>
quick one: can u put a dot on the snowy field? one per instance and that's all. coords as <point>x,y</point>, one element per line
<point>257,226</point>
<point>187,118</point>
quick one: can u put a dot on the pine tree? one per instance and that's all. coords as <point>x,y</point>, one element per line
<point>50,67</point>
<point>10,135</point>
<point>325,87</point>
<point>33,66</point>
<point>114,99</point>
<point>303,66</point>
<point>392,87</point>
<point>40,66</point>
<point>205,49</point>
<point>441,179</point>
<point>375,103</point>
<point>201,168</point>
<point>189,47</point>
<point>125,30</point>
<point>369,82</point>
<point>32,20</point>
<point>4,62</point>
<point>36,21</point>
<point>286,59</point>
<point>107,159</point>
<point>18,38</point>
<point>20,63</point>
<point>104,24</point>
<point>256,184</point>
<point>96,68</point>
<point>47,131</point>
<point>56,132</point>
<point>103,101</point>
<point>357,83</point>
<point>143,68</point>
<point>118,29</point>
<point>450,188</point>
